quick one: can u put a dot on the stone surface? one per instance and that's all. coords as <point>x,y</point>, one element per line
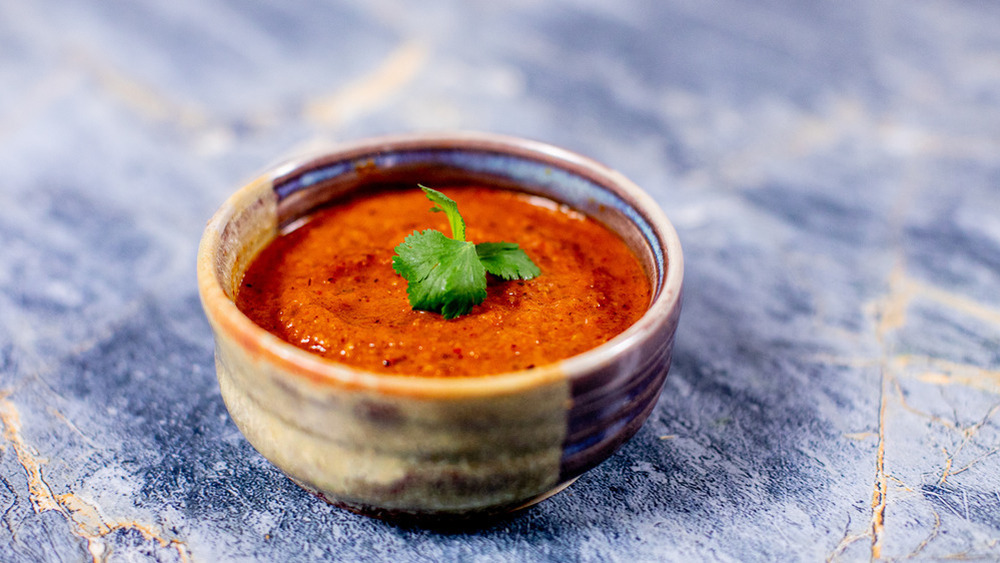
<point>832,169</point>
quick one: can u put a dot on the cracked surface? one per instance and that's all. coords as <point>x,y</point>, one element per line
<point>832,174</point>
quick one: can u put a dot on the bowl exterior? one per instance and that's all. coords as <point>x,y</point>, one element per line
<point>373,451</point>
<point>610,403</point>
<point>416,446</point>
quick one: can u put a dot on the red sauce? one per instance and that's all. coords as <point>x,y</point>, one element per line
<point>329,287</point>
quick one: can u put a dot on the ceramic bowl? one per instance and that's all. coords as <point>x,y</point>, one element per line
<point>436,448</point>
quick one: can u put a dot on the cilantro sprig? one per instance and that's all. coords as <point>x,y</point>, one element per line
<point>448,275</point>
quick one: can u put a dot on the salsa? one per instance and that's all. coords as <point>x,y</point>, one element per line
<point>328,286</point>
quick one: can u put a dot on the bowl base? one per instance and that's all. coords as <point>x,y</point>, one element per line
<point>442,520</point>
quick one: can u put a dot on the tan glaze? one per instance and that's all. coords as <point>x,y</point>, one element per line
<point>328,286</point>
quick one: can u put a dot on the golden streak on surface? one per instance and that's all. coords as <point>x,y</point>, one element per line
<point>139,97</point>
<point>968,433</point>
<point>371,90</point>
<point>944,372</point>
<point>949,459</point>
<point>89,524</point>
<point>909,408</point>
<point>972,463</point>
<point>987,380</point>
<point>85,515</point>
<point>900,485</point>
<point>930,537</point>
<point>69,424</point>
<point>844,543</point>
<point>39,492</point>
<point>891,312</point>
<point>903,290</point>
<point>951,373</point>
<point>879,492</point>
<point>953,300</point>
<point>859,436</point>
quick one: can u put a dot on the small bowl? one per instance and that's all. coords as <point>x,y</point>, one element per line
<point>412,447</point>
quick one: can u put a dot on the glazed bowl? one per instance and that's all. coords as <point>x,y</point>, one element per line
<point>436,448</point>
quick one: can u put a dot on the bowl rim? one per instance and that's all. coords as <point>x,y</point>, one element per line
<point>226,317</point>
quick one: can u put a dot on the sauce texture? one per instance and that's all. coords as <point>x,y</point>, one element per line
<point>329,287</point>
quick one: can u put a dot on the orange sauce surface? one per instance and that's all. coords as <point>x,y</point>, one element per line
<point>329,287</point>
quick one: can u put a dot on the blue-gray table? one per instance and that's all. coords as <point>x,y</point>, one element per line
<point>833,170</point>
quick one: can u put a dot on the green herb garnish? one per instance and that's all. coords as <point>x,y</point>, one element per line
<point>448,275</point>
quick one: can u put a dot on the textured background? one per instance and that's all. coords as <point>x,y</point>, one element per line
<point>833,170</point>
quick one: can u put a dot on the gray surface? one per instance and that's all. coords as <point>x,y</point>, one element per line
<point>832,169</point>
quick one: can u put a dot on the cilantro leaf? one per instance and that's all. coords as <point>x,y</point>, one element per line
<point>448,275</point>
<point>450,208</point>
<point>443,274</point>
<point>506,260</point>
